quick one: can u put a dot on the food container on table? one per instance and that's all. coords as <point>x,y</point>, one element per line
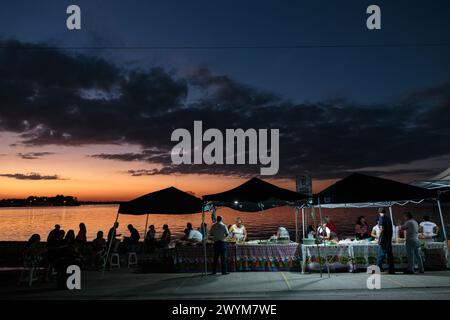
<point>308,241</point>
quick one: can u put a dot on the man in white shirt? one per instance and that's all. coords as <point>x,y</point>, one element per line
<point>428,229</point>
<point>195,236</point>
<point>219,233</point>
<point>376,230</point>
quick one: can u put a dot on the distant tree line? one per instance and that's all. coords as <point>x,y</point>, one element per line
<point>33,201</point>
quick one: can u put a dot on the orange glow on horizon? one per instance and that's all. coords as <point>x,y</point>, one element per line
<point>92,179</point>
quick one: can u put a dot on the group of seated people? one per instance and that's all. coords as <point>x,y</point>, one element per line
<point>237,232</point>
<point>328,231</point>
<point>66,248</point>
<point>130,242</point>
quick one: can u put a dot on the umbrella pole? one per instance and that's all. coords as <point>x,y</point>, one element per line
<point>110,244</point>
<point>442,219</point>
<point>145,231</point>
<point>205,263</point>
<point>296,224</point>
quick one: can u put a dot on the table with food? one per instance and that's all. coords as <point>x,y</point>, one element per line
<point>352,255</point>
<point>274,254</point>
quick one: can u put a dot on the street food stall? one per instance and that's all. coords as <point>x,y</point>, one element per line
<point>165,201</point>
<point>358,255</point>
<point>258,255</point>
<point>363,191</point>
<point>249,256</point>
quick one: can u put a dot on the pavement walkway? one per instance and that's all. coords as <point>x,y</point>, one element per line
<point>128,284</point>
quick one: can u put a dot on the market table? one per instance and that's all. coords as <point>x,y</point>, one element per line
<point>354,256</point>
<point>241,257</point>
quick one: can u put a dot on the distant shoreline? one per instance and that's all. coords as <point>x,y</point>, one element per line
<point>81,203</point>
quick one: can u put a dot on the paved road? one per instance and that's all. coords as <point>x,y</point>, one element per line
<point>127,284</point>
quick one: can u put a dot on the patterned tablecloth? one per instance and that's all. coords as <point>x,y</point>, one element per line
<point>241,257</point>
<point>350,257</point>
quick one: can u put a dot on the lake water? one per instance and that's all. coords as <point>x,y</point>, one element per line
<point>20,223</point>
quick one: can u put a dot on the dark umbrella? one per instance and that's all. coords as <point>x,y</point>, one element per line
<point>166,201</point>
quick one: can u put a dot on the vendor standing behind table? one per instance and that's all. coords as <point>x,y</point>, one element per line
<point>330,225</point>
<point>412,243</point>
<point>376,230</point>
<point>323,232</point>
<point>219,232</point>
<point>361,228</point>
<point>385,242</point>
<point>428,229</point>
<point>238,231</point>
<point>310,232</point>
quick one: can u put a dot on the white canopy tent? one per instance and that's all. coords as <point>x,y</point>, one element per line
<point>440,181</point>
<point>363,191</point>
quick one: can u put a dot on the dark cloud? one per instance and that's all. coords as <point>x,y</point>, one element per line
<point>153,156</point>
<point>30,176</point>
<point>33,155</point>
<point>54,97</point>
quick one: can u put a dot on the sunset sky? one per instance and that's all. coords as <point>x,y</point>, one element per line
<point>92,117</point>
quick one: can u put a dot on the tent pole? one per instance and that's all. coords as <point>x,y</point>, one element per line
<point>442,219</point>
<point>303,222</point>
<point>110,243</point>
<point>313,215</point>
<point>392,221</point>
<point>324,243</point>
<point>296,224</point>
<point>205,263</point>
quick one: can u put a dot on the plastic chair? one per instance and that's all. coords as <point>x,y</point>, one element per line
<point>114,260</point>
<point>132,259</point>
<point>29,273</point>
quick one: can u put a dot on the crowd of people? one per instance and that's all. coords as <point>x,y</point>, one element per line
<point>428,230</point>
<point>384,233</point>
<point>66,248</point>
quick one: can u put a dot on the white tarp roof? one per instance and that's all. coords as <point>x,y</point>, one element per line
<point>442,180</point>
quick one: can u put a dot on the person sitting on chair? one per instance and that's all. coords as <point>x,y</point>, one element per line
<point>132,240</point>
<point>165,237</point>
<point>150,238</point>
<point>99,249</point>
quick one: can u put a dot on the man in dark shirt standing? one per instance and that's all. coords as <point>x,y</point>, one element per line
<point>219,233</point>
<point>385,242</point>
